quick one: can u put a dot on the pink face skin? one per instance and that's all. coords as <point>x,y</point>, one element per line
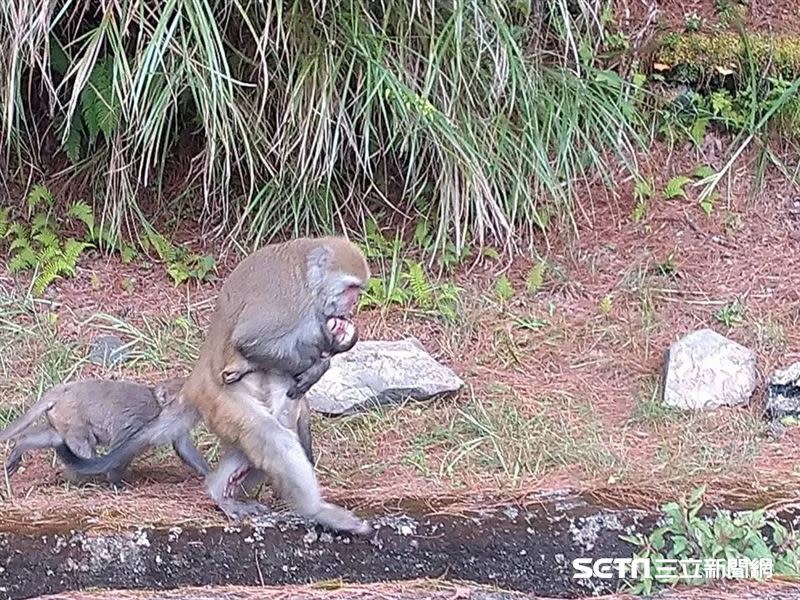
<point>349,299</point>
<point>337,326</point>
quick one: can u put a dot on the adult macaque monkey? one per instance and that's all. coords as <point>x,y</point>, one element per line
<point>273,311</point>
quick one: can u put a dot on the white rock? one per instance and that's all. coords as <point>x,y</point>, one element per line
<point>381,372</point>
<point>705,370</point>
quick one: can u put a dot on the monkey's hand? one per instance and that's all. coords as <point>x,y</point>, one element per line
<point>305,380</point>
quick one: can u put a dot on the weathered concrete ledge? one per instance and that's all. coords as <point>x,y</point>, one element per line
<point>521,549</point>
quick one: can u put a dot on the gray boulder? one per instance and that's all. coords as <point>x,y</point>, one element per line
<point>108,350</point>
<point>705,370</point>
<point>783,393</point>
<point>381,372</point>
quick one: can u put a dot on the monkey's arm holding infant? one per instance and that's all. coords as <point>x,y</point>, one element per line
<point>338,335</point>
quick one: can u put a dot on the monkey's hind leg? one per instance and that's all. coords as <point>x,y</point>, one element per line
<point>224,483</point>
<point>276,450</point>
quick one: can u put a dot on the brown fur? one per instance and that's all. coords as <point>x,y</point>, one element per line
<point>274,306</point>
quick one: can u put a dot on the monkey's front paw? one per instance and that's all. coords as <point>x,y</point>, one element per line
<point>236,510</point>
<point>306,380</point>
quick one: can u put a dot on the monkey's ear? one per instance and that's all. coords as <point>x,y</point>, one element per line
<point>319,263</point>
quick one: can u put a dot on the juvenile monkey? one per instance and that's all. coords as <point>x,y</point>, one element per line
<point>84,414</point>
<point>343,336</point>
<point>273,311</point>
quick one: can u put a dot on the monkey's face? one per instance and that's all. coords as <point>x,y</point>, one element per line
<point>343,294</point>
<point>349,299</point>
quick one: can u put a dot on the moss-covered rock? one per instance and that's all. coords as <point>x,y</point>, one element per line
<point>697,56</point>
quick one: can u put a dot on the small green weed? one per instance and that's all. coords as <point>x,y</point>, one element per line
<point>731,314</point>
<point>675,187</point>
<point>535,278</point>
<point>503,289</point>
<point>606,305</point>
<point>181,265</point>
<point>642,192</point>
<point>747,537</point>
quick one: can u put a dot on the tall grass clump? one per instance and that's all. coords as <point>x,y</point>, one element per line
<point>307,115</point>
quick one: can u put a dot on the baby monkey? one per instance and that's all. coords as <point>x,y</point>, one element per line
<point>82,415</point>
<point>341,335</point>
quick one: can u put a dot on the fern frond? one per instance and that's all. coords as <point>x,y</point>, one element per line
<point>49,255</point>
<point>41,223</point>
<point>675,186</point>
<point>536,277</point>
<point>99,106</point>
<point>163,247</point>
<point>48,276</point>
<point>17,231</point>
<point>20,243</point>
<point>39,195</point>
<point>128,253</point>
<point>24,259</point>
<point>504,289</point>
<point>418,284</point>
<point>83,212</point>
<point>72,252</point>
<point>4,222</point>
<point>47,239</point>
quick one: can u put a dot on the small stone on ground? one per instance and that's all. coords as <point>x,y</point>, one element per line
<point>108,350</point>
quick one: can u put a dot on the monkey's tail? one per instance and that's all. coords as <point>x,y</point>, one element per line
<point>112,463</point>
<point>44,404</point>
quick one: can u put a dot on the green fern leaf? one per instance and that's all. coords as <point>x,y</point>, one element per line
<point>491,253</point>
<point>72,143</point>
<point>17,231</point>
<point>422,236</point>
<point>643,189</point>
<point>72,252</point>
<point>41,223</point>
<point>20,243</point>
<point>59,61</point>
<point>23,260</point>
<point>39,195</point>
<point>49,255</point>
<point>418,284</point>
<point>128,253</point>
<point>48,276</point>
<point>702,171</point>
<point>178,272</point>
<point>504,289</point>
<point>536,277</point>
<point>675,187</point>
<point>84,213</point>
<point>98,102</point>
<point>47,239</point>
<point>165,250</point>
